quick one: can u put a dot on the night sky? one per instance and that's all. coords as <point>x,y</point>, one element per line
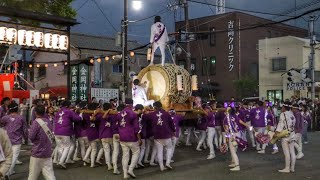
<point>93,22</point>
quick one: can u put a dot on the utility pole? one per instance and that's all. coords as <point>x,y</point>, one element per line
<point>311,64</point>
<point>125,50</point>
<point>186,18</point>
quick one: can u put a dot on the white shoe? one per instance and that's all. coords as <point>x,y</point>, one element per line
<point>140,164</point>
<point>258,148</point>
<point>153,164</point>
<point>284,170</point>
<point>132,174</point>
<point>99,162</point>
<point>232,165</point>
<point>76,159</point>
<point>126,176</point>
<point>116,172</point>
<point>237,168</point>
<point>300,155</point>
<point>253,145</point>
<point>110,168</point>
<point>70,162</point>
<point>18,162</point>
<point>262,152</point>
<point>169,167</point>
<point>275,152</point>
<point>211,157</point>
<point>198,149</point>
<point>163,169</point>
<point>63,166</point>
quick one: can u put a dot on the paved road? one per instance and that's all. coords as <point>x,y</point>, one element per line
<point>192,165</point>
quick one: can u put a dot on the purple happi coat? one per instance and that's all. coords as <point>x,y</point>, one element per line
<point>299,122</point>
<point>16,127</point>
<point>128,125</point>
<point>162,124</point>
<point>42,146</point>
<point>63,122</point>
<point>257,116</point>
<point>232,122</point>
<point>105,128</point>
<point>92,130</point>
<point>176,118</point>
<point>211,120</point>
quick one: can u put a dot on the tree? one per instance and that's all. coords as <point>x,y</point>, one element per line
<point>246,87</point>
<point>54,7</point>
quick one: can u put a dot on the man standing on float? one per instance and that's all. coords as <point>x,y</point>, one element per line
<point>158,39</point>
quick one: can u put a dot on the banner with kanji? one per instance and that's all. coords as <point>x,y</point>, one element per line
<point>83,82</point>
<point>79,82</point>
<point>74,83</point>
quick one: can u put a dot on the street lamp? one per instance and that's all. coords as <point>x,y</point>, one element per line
<point>137,5</point>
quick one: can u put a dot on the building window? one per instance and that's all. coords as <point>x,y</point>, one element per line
<point>194,65</point>
<point>204,35</point>
<point>274,95</point>
<point>279,64</point>
<point>182,63</point>
<point>117,68</point>
<point>204,67</point>
<point>316,76</point>
<point>212,37</point>
<point>42,71</point>
<point>209,66</point>
<point>212,66</point>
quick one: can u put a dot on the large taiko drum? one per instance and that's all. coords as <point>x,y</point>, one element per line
<point>160,82</point>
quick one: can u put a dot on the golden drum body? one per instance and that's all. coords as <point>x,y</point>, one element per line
<point>160,83</point>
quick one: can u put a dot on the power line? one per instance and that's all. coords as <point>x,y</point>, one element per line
<point>254,26</point>
<point>237,9</point>
<point>82,5</point>
<point>105,16</point>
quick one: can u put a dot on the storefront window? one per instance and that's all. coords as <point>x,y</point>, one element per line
<point>274,95</point>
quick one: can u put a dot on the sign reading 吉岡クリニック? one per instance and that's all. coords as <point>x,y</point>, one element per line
<point>83,82</point>
<point>298,86</point>
<point>74,83</point>
<point>231,45</point>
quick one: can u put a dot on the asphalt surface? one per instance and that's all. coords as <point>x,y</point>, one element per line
<point>192,165</point>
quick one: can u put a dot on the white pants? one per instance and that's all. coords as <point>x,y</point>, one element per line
<point>43,165</point>
<point>190,131</point>
<point>298,144</point>
<point>126,148</point>
<point>261,130</point>
<point>142,150</point>
<point>162,50</point>
<point>160,144</point>
<point>71,149</point>
<point>15,155</point>
<point>63,146</point>
<point>92,151</point>
<point>107,143</point>
<point>289,154</point>
<point>220,136</point>
<point>115,152</point>
<point>174,142</point>
<point>211,137</point>
<point>149,144</point>
<point>202,138</point>
<point>84,144</point>
<point>251,136</point>
<point>233,151</point>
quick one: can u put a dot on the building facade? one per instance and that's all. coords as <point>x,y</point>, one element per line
<point>276,57</point>
<point>49,70</point>
<point>225,49</point>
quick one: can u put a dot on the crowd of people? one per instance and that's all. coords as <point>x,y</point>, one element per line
<point>92,132</point>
